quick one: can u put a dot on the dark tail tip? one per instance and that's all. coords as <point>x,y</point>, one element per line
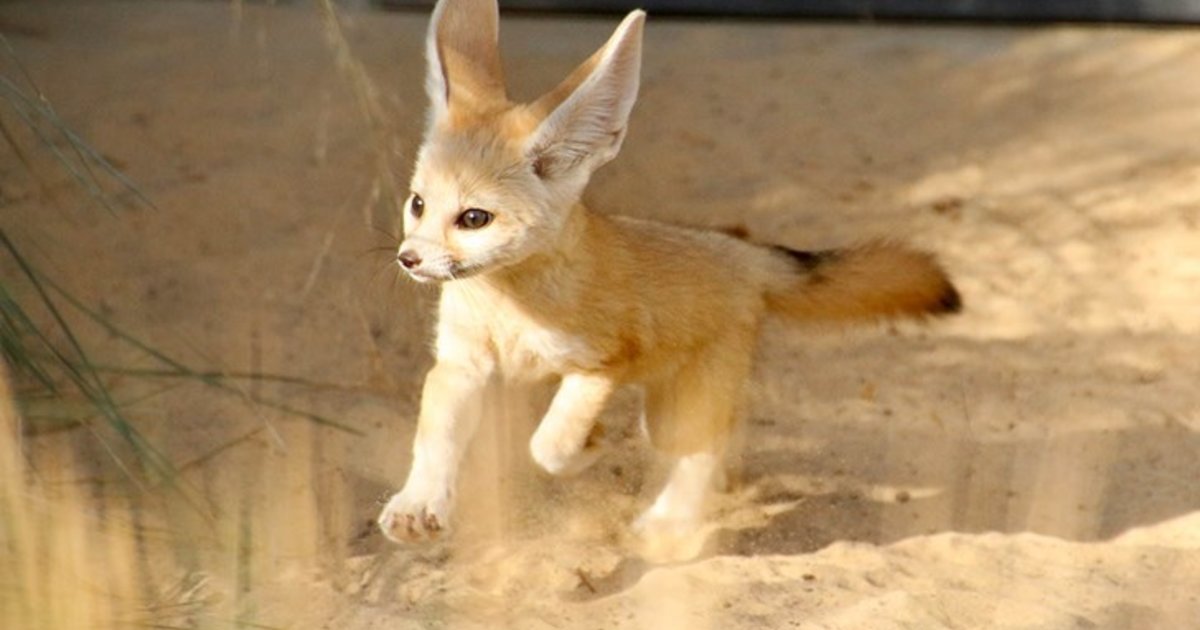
<point>950,302</point>
<point>807,261</point>
<point>738,231</point>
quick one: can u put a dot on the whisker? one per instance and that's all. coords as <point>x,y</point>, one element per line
<point>378,249</point>
<point>392,237</point>
<point>380,269</point>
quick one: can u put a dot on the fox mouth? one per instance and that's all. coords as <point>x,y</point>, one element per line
<point>459,270</point>
<point>422,276</point>
<point>453,271</point>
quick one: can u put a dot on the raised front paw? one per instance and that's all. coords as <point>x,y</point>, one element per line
<point>560,453</point>
<point>411,515</point>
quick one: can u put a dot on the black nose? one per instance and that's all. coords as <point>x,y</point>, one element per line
<point>409,259</point>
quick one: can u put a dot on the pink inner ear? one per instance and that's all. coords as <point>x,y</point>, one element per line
<point>550,101</point>
<point>584,118</point>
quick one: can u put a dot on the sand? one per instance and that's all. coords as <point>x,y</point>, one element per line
<point>1029,464</point>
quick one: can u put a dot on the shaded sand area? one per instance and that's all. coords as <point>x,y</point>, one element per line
<point>1031,464</point>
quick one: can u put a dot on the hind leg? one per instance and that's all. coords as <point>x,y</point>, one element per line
<point>691,416</point>
<point>679,506</point>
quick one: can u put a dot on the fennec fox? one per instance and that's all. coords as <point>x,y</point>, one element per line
<point>535,287</point>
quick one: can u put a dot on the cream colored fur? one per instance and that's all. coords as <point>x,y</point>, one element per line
<point>549,290</point>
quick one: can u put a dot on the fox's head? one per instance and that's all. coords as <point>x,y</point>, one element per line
<point>495,182</point>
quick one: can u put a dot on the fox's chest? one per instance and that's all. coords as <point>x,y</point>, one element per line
<point>526,348</point>
<point>527,343</point>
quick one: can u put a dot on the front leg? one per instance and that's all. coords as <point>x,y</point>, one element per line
<point>564,442</point>
<point>451,406</point>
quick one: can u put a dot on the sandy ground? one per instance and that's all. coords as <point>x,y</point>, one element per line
<point>1031,464</point>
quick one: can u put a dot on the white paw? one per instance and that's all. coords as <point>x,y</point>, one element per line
<point>558,454</point>
<point>415,514</point>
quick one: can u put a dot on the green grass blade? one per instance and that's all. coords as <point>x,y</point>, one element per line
<point>83,150</point>
<point>21,105</point>
<point>208,378</point>
<point>16,147</point>
<point>92,387</point>
<point>12,334</point>
<point>282,379</point>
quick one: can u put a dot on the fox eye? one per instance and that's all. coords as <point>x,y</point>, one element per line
<point>474,218</point>
<point>417,206</point>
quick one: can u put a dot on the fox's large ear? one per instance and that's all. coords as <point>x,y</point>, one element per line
<point>585,117</point>
<point>463,56</point>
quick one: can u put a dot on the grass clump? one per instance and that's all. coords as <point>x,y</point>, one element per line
<point>71,555</point>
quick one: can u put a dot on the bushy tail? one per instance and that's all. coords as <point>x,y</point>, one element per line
<point>876,280</point>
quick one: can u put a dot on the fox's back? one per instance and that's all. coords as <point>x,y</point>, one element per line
<point>693,268</point>
<point>661,289</point>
